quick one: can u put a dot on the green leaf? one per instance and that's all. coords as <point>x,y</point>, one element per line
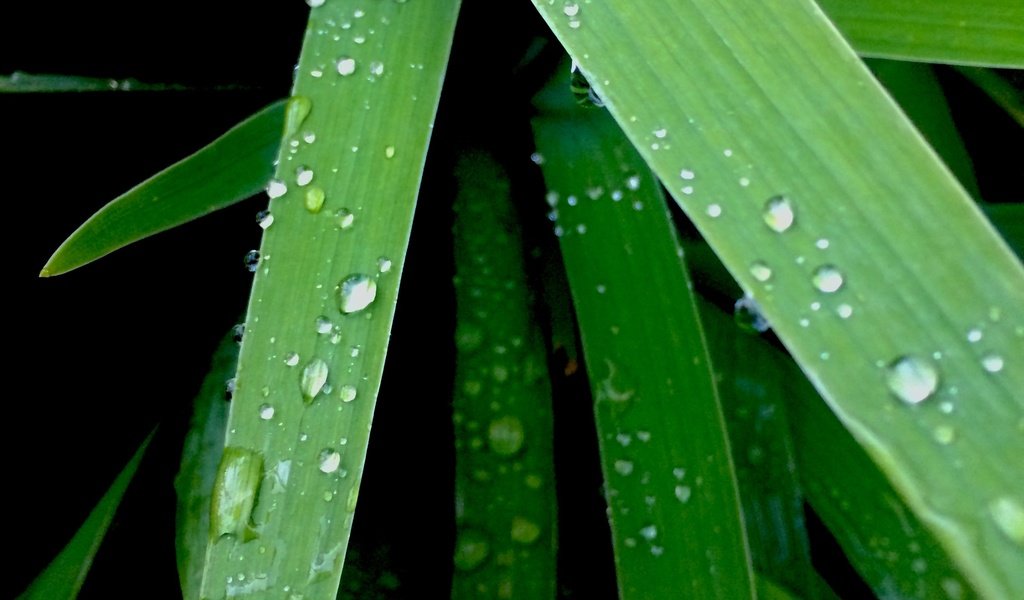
<point>1009,97</point>
<point>64,576</point>
<point>323,299</point>
<point>20,82</point>
<point>673,506</point>
<point>975,32</point>
<point>231,168</point>
<point>504,467</point>
<point>831,211</point>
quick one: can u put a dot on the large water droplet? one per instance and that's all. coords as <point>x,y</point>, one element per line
<point>347,393</point>
<point>315,199</point>
<point>683,493</point>
<point>329,460</point>
<point>778,213</point>
<point>313,378</point>
<point>471,550</point>
<point>505,435</point>
<point>993,363</point>
<point>266,412</point>
<point>356,292</point>
<point>234,492</point>
<point>296,111</point>
<point>827,278</point>
<point>1008,515</point>
<point>384,264</point>
<point>913,379</point>
<point>303,176</point>
<point>346,66</point>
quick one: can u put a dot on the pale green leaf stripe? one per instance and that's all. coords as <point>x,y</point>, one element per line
<point>967,32</point>
<point>64,576</point>
<point>231,168</point>
<point>199,457</point>
<point>504,464</point>
<point>20,82</point>
<point>363,144</point>
<point>1001,91</point>
<point>890,549</point>
<point>673,503</point>
<point>751,112</point>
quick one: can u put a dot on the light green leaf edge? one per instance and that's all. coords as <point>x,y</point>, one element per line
<point>790,110</point>
<point>369,110</point>
<point>967,32</point>
<point>231,168</point>
<point>673,502</point>
<point>64,576</point>
<point>505,517</point>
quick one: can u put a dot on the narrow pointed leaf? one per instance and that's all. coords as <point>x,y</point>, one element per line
<point>1009,97</point>
<point>229,169</point>
<point>64,576</point>
<point>504,467</point>
<point>20,82</point>
<point>323,299</point>
<point>669,482</point>
<point>828,207</point>
<point>979,32</point>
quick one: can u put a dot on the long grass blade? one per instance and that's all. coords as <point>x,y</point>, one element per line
<point>979,32</point>
<point>831,211</point>
<point>20,82</point>
<point>504,468</point>
<point>669,481</point>
<point>367,87</point>
<point>229,169</point>
<point>1008,96</point>
<point>64,576</point>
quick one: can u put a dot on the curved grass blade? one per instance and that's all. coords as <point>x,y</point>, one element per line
<point>20,82</point>
<point>64,576</point>
<point>199,456</point>
<point>229,169</point>
<point>671,490</point>
<point>979,32</point>
<point>1009,97</point>
<point>504,467</point>
<point>826,205</point>
<point>323,299</point>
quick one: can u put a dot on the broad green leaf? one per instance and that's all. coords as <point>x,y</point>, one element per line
<point>831,211</point>
<point>1002,92</point>
<point>975,32</point>
<point>231,168</point>
<point>323,299</point>
<point>199,457</point>
<point>20,82</point>
<point>504,466</point>
<point>675,516</point>
<point>64,576</point>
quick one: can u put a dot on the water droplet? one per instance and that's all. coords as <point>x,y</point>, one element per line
<point>303,176</point>
<point>993,363</point>
<point>309,137</point>
<point>329,460</point>
<point>315,199</point>
<point>844,311</point>
<point>347,393</point>
<point>822,244</point>
<point>537,158</point>
<point>760,271</point>
<point>581,228</point>
<point>346,66</point>
<point>778,213</point>
<point>266,412</point>
<point>633,182</point>
<point>471,550</point>
<point>296,111</point>
<point>234,492</point>
<point>912,379</point>
<point>315,3</point>
<point>748,316</point>
<point>571,10</point>
<point>251,260</point>
<point>974,335</point>
<point>323,325</point>
<point>581,88</point>
<point>384,264</point>
<point>827,278</point>
<point>1008,515</point>
<point>314,376</point>
<point>505,435</point>
<point>276,188</point>
<point>953,588</point>
<point>649,532</point>
<point>944,434</point>
<point>686,174</point>
<point>376,68</point>
<point>238,332</point>
<point>356,292</point>
<point>345,218</point>
<point>623,467</point>
<point>524,531</point>
<point>291,359</point>
<point>389,152</point>
<point>683,493</point>
<point>264,218</point>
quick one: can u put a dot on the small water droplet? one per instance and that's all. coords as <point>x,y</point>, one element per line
<point>537,158</point>
<point>389,152</point>
<point>323,325</point>
<point>356,292</point>
<point>266,412</point>
<point>291,359</point>
<point>345,218</point>
<point>347,393</point>
<point>822,244</point>
<point>683,493</point>
<point>1008,515</point>
<point>251,260</point>
<point>471,550</point>
<point>524,531</point>
<point>686,174</point>
<point>633,182</point>
<point>993,363</point>
<point>505,435</point>
<point>649,532</point>
<point>748,316</point>
<point>329,460</point>
<point>623,467</point>
<point>844,311</point>
<point>714,210</point>
<point>376,68</point>
<point>346,66</point>
<point>296,111</point>
<point>265,219</point>
<point>276,188</point>
<point>913,379</point>
<point>309,137</point>
<point>238,332</point>
<point>303,176</point>
<point>312,380</point>
<point>761,271</point>
<point>384,264</point>
<point>827,279</point>
<point>315,199</point>
<point>974,335</point>
<point>944,434</point>
<point>571,10</point>
<point>778,213</point>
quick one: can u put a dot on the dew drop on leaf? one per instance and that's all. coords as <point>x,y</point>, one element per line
<point>356,292</point>
<point>912,379</point>
<point>827,279</point>
<point>778,213</point>
<point>313,378</point>
<point>329,460</point>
